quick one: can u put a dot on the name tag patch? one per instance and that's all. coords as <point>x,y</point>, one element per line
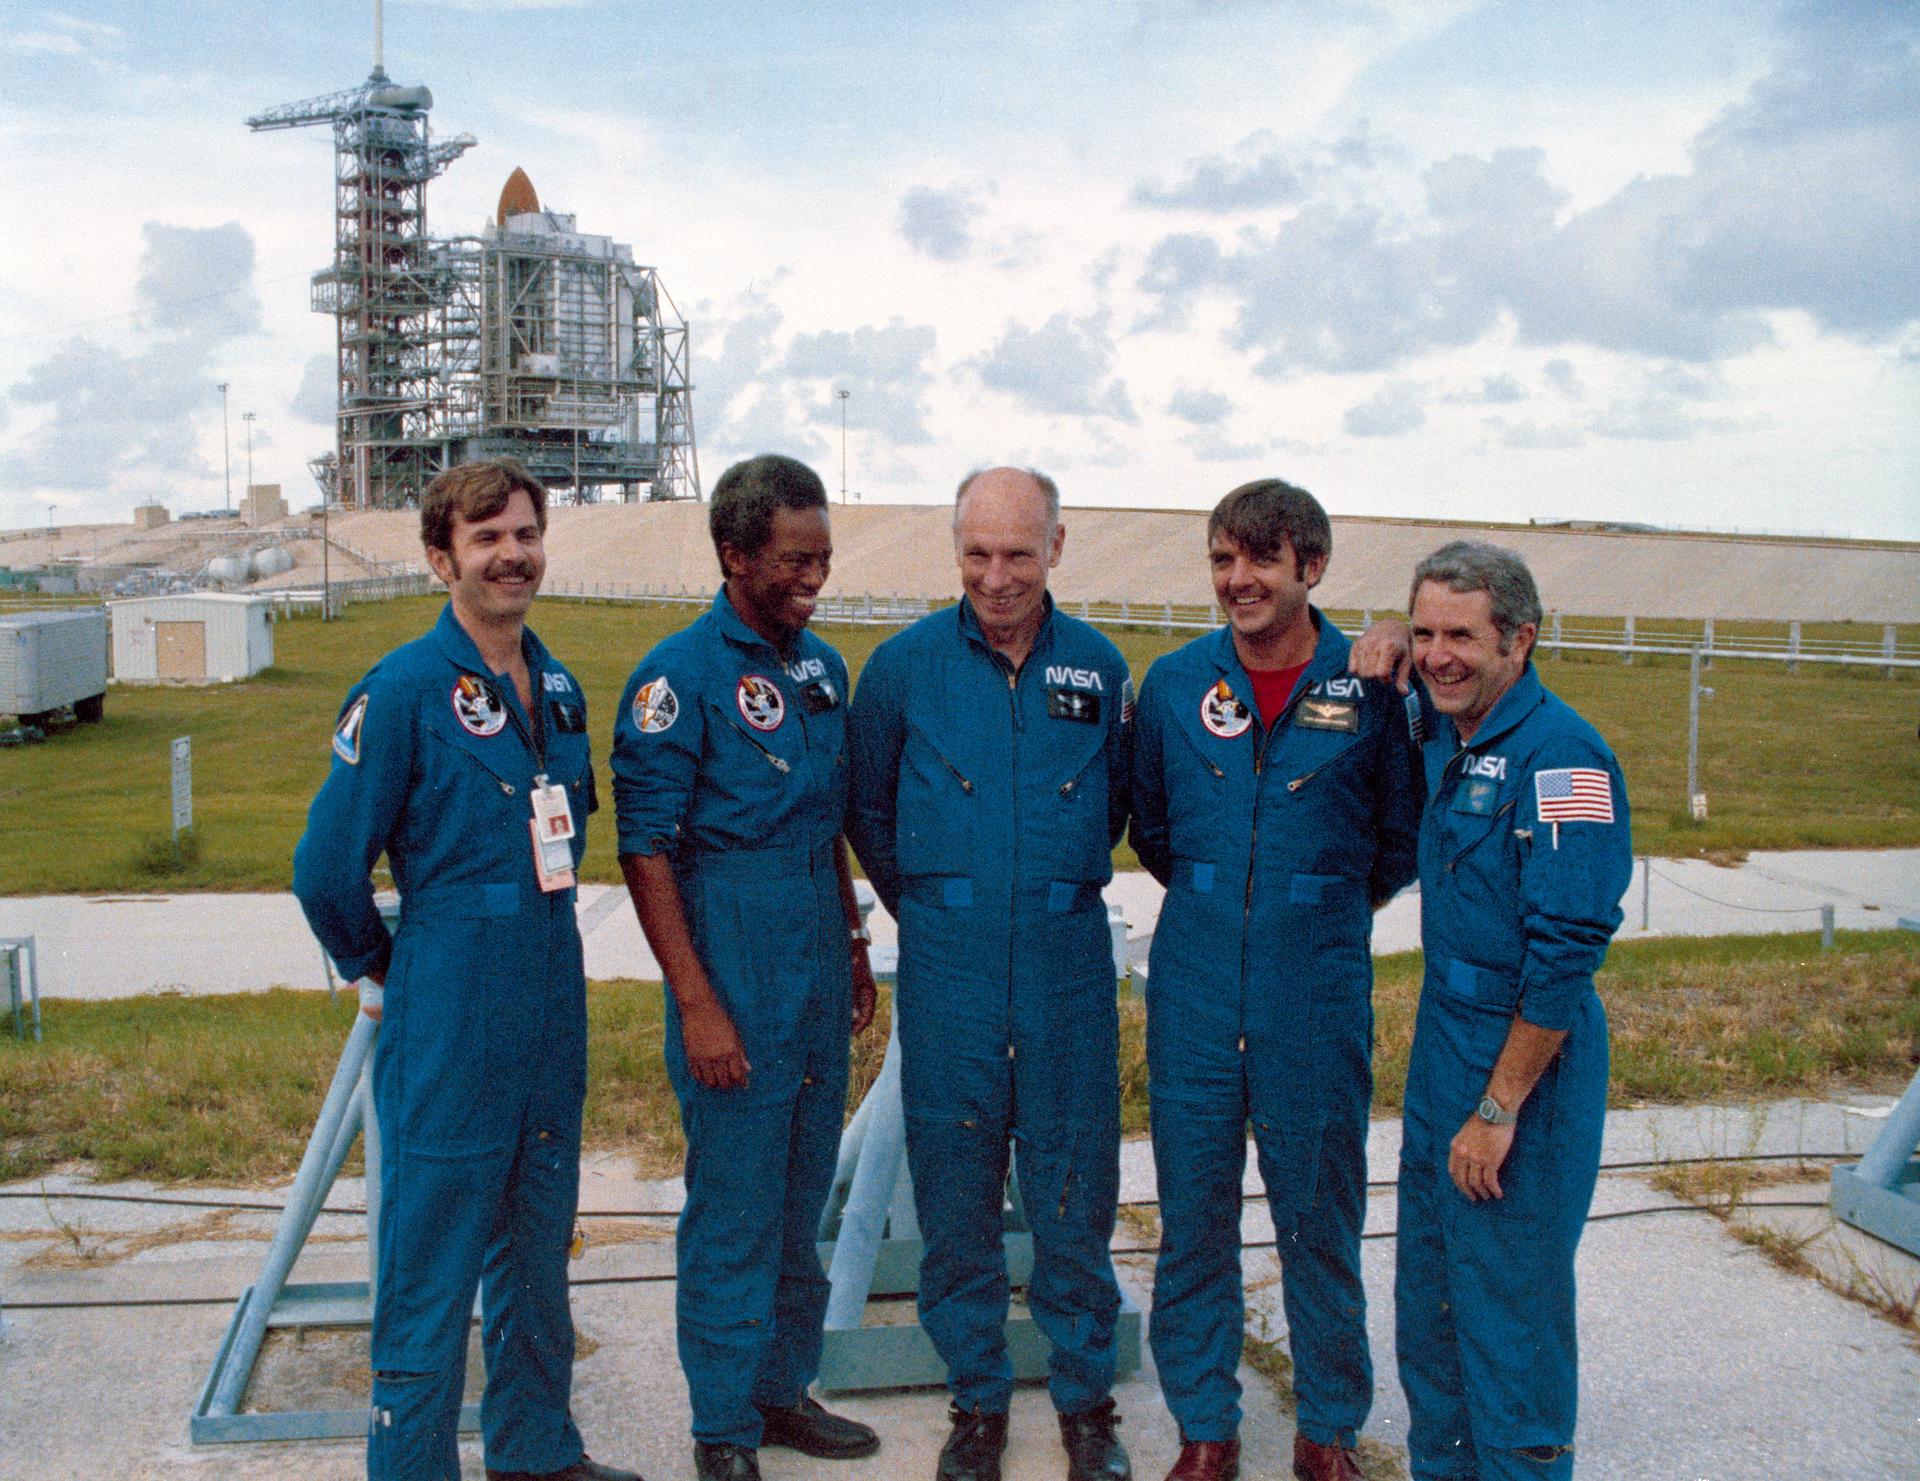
<point>819,696</point>
<point>568,719</point>
<point>1328,714</point>
<point>1477,796</point>
<point>1073,704</point>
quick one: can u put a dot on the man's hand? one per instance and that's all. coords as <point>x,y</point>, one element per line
<point>371,1006</point>
<point>1384,651</point>
<point>1475,1157</point>
<point>715,1055</point>
<point>864,992</point>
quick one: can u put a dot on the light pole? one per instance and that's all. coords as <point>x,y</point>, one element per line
<point>247,417</point>
<point>843,393</point>
<point>226,446</point>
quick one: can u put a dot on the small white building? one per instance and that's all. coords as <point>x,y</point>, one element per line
<point>196,636</point>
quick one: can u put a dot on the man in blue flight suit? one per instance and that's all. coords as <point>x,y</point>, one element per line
<point>989,746</point>
<point>1277,799</point>
<point>463,758</point>
<point>730,787</point>
<point>1524,855</point>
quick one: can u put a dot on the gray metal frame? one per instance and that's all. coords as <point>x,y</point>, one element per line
<point>13,950</point>
<point>1881,1192</point>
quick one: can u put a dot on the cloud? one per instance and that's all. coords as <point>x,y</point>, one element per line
<point>1210,445</point>
<point>110,411</point>
<point>318,398</point>
<point>1561,375</point>
<point>1805,196</point>
<point>1391,411</point>
<point>885,370</point>
<point>63,35</point>
<point>1254,174</point>
<point>1202,408</point>
<point>1495,390</point>
<point>1063,368</point>
<point>938,223</point>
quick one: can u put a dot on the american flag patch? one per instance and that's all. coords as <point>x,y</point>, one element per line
<point>1574,794</point>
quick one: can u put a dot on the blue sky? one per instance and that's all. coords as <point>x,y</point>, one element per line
<point>1613,260</point>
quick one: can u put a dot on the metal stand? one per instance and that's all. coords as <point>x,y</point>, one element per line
<point>20,965</point>
<point>271,1302</point>
<point>1881,1193</point>
<point>870,1247</point>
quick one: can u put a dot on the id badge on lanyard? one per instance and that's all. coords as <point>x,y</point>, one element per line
<point>552,825</point>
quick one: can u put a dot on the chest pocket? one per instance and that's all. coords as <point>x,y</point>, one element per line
<point>1314,756</point>
<point>1071,809</point>
<point>936,801</point>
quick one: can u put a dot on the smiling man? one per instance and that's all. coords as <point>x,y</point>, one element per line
<point>730,782</point>
<point>1525,852</point>
<point>463,758</point>
<point>989,787</point>
<point>1276,798</point>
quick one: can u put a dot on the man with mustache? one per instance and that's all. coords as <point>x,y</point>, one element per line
<point>463,757</point>
<point>730,785</point>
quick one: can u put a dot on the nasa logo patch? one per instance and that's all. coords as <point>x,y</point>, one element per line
<point>475,707</point>
<point>1223,714</point>
<point>760,703</point>
<point>655,706</point>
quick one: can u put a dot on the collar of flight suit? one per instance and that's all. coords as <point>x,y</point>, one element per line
<point>1331,647</point>
<point>456,645</point>
<point>733,627</point>
<point>971,630</point>
<point>1526,696</point>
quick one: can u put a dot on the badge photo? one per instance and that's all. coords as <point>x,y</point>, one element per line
<point>346,737</point>
<point>1223,714</point>
<point>760,703</point>
<point>475,707</point>
<point>655,706</point>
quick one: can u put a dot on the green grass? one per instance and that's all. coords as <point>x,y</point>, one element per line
<point>1818,759</point>
<point>225,1089</point>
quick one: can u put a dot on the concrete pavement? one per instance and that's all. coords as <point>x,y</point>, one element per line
<point>107,946</point>
<point>1701,1359</point>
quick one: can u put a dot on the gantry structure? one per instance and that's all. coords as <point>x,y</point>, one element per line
<point>532,338</point>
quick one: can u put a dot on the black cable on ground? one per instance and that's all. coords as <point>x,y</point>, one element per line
<point>161,1201</point>
<point>665,1277</point>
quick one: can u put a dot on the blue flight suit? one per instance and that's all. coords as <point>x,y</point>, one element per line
<point>1275,846</point>
<point>730,758</point>
<point>986,804</point>
<point>480,1067</point>
<point>1515,916</point>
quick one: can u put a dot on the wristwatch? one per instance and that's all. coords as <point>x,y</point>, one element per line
<point>860,934</point>
<point>1495,1114</point>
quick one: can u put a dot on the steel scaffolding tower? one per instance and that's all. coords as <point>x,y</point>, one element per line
<point>533,339</point>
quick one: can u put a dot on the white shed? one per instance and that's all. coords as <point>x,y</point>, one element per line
<point>191,635</point>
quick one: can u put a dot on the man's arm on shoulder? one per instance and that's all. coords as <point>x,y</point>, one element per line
<point>876,735</point>
<point>350,823</point>
<point>1384,652</point>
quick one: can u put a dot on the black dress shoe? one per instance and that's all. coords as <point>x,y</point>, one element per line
<point>724,1462</point>
<point>972,1451</point>
<point>583,1469</point>
<point>1094,1451</point>
<point>811,1430</point>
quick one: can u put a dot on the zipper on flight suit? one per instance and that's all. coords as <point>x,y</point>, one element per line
<point>779,763</point>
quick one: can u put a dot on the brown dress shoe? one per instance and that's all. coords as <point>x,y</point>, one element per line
<point>1313,1462</point>
<point>1207,1460</point>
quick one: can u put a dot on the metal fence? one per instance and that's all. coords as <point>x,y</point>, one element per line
<point>1629,637</point>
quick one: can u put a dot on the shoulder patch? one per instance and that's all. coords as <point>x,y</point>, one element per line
<point>1574,794</point>
<point>655,706</point>
<point>346,735</point>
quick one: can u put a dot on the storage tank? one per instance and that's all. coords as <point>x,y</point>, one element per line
<point>226,570</point>
<point>270,562</point>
